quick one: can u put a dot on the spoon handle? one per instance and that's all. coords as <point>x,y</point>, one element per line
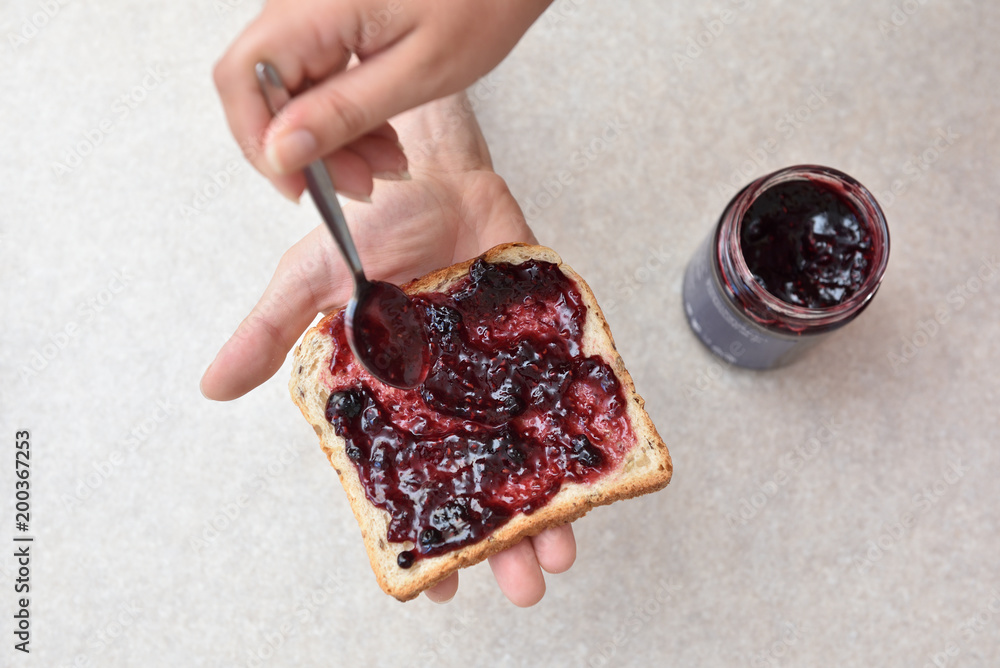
<point>317,177</point>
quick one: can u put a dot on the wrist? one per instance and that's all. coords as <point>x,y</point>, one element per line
<point>446,136</point>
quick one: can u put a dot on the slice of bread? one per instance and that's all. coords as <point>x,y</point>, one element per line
<point>645,468</point>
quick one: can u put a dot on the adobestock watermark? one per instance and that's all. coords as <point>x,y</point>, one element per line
<point>216,181</point>
<point>373,23</point>
<point>639,275</point>
<point>35,23</point>
<point>226,7</point>
<point>716,368</point>
<point>227,514</point>
<point>87,311</point>
<point>560,11</point>
<point>376,21</point>
<point>121,108</point>
<point>757,159</point>
<point>127,615</point>
<point>211,186</point>
<point>900,16</point>
<point>967,630</point>
<point>112,630</point>
<point>634,622</point>
<point>917,165</point>
<point>921,503</point>
<point>105,468</point>
<point>695,45</point>
<point>302,611</point>
<point>789,465</point>
<point>455,118</point>
<point>779,649</point>
<point>581,159</point>
<point>907,347</point>
<point>437,651</point>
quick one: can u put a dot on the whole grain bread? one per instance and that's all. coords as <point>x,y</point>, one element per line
<point>645,468</point>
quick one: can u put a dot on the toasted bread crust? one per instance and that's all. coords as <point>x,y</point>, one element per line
<point>647,467</point>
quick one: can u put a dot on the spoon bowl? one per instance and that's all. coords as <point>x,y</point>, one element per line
<point>387,335</point>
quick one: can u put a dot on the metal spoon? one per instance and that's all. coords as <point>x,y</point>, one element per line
<point>383,327</point>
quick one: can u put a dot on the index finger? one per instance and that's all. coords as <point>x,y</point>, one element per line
<point>282,39</point>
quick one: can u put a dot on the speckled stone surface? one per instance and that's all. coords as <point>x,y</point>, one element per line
<point>842,511</point>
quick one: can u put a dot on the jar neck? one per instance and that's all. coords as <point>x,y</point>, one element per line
<point>763,308</point>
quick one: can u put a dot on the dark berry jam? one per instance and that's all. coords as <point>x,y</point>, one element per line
<point>511,408</point>
<point>805,244</point>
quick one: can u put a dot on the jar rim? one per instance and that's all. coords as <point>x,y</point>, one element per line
<point>765,307</point>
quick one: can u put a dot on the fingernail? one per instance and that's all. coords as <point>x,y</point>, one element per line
<point>287,153</point>
<point>289,195</point>
<point>356,197</point>
<point>401,175</point>
<point>201,383</point>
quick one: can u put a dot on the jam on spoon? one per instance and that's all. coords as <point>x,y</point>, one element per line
<point>387,336</point>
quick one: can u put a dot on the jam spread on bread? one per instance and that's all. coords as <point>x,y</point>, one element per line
<point>805,244</point>
<point>511,408</point>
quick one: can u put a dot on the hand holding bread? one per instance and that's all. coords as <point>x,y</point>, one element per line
<point>454,208</point>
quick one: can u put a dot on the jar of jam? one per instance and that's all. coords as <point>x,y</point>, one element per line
<point>795,255</point>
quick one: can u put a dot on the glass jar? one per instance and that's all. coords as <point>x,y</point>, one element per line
<point>795,255</point>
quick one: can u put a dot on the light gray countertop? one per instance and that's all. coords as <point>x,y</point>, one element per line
<point>879,544</point>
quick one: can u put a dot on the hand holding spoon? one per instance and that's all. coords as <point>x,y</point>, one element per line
<point>383,326</point>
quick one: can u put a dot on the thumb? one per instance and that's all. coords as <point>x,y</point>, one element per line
<point>303,284</point>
